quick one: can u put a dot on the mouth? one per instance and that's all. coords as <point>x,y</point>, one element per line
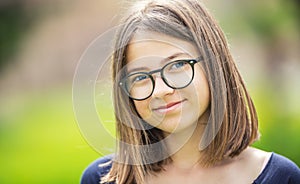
<point>170,107</point>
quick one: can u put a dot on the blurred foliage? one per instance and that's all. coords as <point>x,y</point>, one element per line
<point>278,126</point>
<point>40,141</point>
<point>268,19</point>
<point>14,23</point>
<point>16,20</point>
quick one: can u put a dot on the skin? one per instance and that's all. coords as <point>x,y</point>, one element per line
<point>186,120</point>
<point>154,54</point>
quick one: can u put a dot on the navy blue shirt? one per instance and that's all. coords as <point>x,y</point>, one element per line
<point>278,170</point>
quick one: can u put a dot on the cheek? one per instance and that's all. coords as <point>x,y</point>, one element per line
<point>142,108</point>
<point>202,87</point>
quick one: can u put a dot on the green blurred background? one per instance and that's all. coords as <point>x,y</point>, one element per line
<point>41,44</point>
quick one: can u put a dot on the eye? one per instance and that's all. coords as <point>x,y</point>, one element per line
<point>177,65</point>
<point>138,78</point>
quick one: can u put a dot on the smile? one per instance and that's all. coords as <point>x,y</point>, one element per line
<point>170,107</point>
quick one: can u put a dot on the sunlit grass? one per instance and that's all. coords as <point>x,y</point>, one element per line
<point>278,126</point>
<point>40,141</point>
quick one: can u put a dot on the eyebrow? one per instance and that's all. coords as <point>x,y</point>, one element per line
<point>162,61</point>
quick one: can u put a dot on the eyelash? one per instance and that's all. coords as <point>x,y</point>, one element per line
<point>179,62</point>
<point>136,78</point>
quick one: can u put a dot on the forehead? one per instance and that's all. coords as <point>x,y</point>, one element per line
<point>150,45</point>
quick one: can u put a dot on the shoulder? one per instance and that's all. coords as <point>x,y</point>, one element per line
<point>279,169</point>
<point>96,170</point>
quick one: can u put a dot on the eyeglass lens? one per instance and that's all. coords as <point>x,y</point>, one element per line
<point>177,74</point>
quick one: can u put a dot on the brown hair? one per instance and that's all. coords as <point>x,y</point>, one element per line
<point>187,20</point>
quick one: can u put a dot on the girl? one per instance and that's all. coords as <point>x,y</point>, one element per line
<point>182,110</point>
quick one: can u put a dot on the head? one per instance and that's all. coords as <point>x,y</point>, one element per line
<point>232,122</point>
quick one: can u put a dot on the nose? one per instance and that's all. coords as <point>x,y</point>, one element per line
<point>161,89</point>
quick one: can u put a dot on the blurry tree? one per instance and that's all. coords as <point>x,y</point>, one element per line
<point>277,24</point>
<point>14,23</point>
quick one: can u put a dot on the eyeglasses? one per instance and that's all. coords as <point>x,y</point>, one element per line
<point>176,74</point>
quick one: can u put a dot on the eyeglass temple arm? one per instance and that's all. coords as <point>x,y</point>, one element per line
<point>200,58</point>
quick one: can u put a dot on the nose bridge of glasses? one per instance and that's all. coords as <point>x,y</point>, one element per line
<point>156,71</point>
<point>160,86</point>
<point>159,75</point>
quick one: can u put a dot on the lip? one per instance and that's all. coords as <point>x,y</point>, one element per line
<point>169,107</point>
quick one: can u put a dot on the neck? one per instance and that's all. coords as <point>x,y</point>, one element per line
<point>186,143</point>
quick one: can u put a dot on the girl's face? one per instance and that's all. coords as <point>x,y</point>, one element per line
<point>168,109</point>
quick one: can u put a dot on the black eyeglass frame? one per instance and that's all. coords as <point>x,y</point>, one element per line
<point>192,62</point>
